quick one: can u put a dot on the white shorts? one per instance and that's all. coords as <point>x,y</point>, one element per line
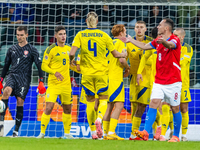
<point>170,93</point>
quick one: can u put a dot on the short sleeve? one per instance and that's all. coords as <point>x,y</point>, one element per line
<point>153,44</point>
<point>109,44</point>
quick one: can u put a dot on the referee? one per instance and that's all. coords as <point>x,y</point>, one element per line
<point>19,59</point>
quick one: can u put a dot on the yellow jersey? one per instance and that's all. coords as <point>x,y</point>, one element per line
<point>56,59</point>
<point>115,67</point>
<point>135,54</point>
<point>186,55</point>
<point>149,58</point>
<point>93,43</point>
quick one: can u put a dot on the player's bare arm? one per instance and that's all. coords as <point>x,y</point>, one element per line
<point>116,54</point>
<point>72,52</point>
<point>137,43</point>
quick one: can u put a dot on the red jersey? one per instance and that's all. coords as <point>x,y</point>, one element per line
<point>168,68</point>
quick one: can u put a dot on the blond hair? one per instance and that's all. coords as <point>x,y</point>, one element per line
<point>92,18</point>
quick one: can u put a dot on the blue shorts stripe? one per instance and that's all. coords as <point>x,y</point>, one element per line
<point>102,90</point>
<point>88,92</point>
<point>116,93</point>
<point>141,92</point>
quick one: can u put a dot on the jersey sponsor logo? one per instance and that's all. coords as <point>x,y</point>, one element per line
<point>25,53</point>
<point>57,54</point>
<point>46,57</point>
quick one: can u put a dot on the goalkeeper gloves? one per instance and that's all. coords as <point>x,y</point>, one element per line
<point>41,89</point>
<point>1,85</point>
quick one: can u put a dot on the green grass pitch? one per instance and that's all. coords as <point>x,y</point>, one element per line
<point>7,143</point>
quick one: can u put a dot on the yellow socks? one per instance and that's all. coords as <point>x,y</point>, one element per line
<point>135,124</point>
<point>102,108</point>
<point>44,122</point>
<point>106,127</point>
<point>67,121</point>
<point>133,110</point>
<point>185,121</point>
<point>113,125</point>
<point>91,115</point>
<point>165,119</point>
<point>171,124</point>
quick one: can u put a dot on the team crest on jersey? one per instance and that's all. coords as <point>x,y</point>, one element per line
<point>78,58</point>
<point>46,57</point>
<point>63,53</point>
<point>25,53</point>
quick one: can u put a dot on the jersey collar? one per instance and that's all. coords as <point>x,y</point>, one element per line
<point>92,28</point>
<point>144,37</point>
<point>183,44</point>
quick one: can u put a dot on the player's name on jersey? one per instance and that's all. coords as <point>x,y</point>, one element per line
<point>92,35</point>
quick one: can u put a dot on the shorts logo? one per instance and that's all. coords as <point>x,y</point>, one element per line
<point>176,97</point>
<point>25,53</point>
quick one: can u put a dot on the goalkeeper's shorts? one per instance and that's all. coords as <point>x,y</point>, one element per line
<point>64,93</point>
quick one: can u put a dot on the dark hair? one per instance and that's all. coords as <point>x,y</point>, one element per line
<point>154,32</point>
<point>170,22</point>
<point>58,28</point>
<point>21,28</point>
<point>117,29</point>
<point>141,22</point>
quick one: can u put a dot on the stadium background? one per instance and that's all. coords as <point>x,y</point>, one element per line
<point>42,16</point>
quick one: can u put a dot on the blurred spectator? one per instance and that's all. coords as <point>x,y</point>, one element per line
<point>126,15</point>
<point>20,14</point>
<point>183,11</point>
<point>47,14</point>
<point>196,47</point>
<point>155,16</point>
<point>74,15</point>
<point>5,10</point>
<point>105,14</point>
<point>170,12</point>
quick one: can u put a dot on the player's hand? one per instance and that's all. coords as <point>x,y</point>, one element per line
<point>160,40</point>
<point>126,73</point>
<point>139,76</point>
<point>1,85</point>
<point>41,89</point>
<point>78,67</point>
<point>73,62</point>
<point>126,39</point>
<point>59,76</point>
<point>124,54</point>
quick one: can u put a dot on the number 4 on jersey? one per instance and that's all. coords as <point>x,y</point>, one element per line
<point>92,49</point>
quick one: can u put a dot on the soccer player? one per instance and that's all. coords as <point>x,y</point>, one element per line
<point>94,65</point>
<point>167,85</point>
<point>116,94</point>
<point>56,63</point>
<point>21,57</point>
<point>186,55</point>
<point>139,94</point>
<point>149,57</point>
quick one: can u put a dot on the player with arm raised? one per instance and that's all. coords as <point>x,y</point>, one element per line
<point>94,64</point>
<point>116,94</point>
<point>56,63</point>
<point>139,93</point>
<point>168,77</point>
<point>20,57</point>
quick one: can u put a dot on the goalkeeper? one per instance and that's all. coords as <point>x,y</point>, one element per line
<point>21,57</point>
